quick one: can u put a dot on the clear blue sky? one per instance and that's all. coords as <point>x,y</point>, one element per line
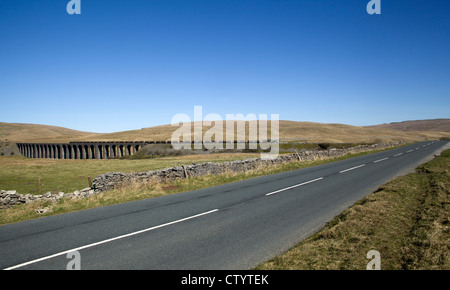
<point>124,65</point>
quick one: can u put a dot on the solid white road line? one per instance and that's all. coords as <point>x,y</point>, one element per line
<point>381,160</point>
<point>294,186</point>
<point>110,240</point>
<point>352,168</point>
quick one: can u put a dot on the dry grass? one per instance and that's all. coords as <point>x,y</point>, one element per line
<point>17,132</point>
<point>288,130</point>
<point>437,125</point>
<point>406,220</point>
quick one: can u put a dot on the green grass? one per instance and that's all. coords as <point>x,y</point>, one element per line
<point>406,220</point>
<point>22,174</point>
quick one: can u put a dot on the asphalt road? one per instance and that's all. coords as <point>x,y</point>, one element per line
<point>233,226</point>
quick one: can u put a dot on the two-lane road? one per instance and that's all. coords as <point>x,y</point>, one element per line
<point>233,226</point>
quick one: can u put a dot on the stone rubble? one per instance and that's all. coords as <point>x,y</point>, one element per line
<point>113,180</point>
<point>11,197</point>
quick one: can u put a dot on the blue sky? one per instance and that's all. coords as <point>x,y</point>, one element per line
<point>123,65</point>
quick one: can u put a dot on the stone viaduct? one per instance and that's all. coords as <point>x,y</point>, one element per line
<point>83,150</point>
<point>93,150</point>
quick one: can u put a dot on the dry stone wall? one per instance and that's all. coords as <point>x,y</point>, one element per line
<point>113,180</point>
<point>11,197</point>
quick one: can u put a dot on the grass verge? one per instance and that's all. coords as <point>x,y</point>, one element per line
<point>406,220</point>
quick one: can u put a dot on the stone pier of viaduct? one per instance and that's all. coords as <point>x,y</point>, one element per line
<point>82,150</point>
<point>94,150</point>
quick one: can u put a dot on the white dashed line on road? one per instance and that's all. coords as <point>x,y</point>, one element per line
<point>294,186</point>
<point>381,160</point>
<point>352,168</point>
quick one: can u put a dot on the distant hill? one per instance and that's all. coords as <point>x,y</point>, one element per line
<point>436,125</point>
<point>288,131</point>
<point>292,131</point>
<point>18,132</point>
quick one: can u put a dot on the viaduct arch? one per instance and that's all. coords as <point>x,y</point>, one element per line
<point>92,150</point>
<point>83,150</point>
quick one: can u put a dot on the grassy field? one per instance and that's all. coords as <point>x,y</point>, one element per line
<point>22,174</point>
<point>406,220</point>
